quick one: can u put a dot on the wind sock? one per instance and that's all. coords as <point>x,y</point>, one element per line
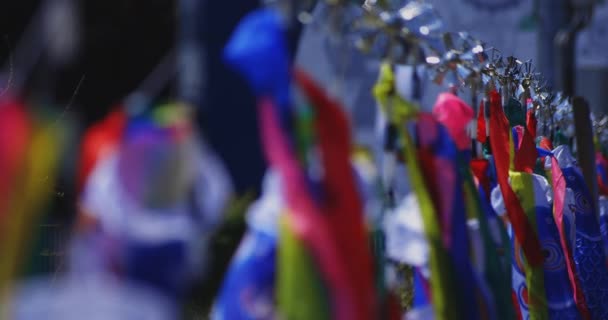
<point>558,291</point>
<point>557,265</point>
<point>564,221</point>
<point>587,246</point>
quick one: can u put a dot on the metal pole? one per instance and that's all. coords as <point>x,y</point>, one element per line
<point>553,16</point>
<point>565,41</point>
<point>191,79</point>
<point>585,146</point>
<point>580,13</point>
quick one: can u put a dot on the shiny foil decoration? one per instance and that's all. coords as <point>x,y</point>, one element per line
<point>414,34</point>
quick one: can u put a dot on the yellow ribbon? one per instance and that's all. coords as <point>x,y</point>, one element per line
<point>523,185</point>
<point>34,187</point>
<point>400,112</point>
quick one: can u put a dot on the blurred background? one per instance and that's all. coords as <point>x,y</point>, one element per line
<point>117,43</point>
<point>99,52</point>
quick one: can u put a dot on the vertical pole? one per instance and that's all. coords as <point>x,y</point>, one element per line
<point>564,61</point>
<point>585,147</point>
<point>580,13</point>
<point>553,16</point>
<point>190,61</point>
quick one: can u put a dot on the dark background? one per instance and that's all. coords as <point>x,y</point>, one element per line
<point>121,41</point>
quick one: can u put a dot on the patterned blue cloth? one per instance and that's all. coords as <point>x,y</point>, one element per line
<point>248,289</point>
<point>560,301</point>
<point>588,248</point>
<point>587,243</point>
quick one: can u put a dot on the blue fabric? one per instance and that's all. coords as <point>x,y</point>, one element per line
<point>159,266</point>
<point>560,298</point>
<point>602,173</point>
<point>445,150</point>
<point>492,173</point>
<point>518,278</point>
<point>258,50</point>
<point>466,156</point>
<point>249,283</point>
<point>500,238</point>
<point>485,205</point>
<point>420,299</point>
<point>138,125</point>
<point>604,231</point>
<point>543,153</point>
<point>588,249</point>
<point>515,139</point>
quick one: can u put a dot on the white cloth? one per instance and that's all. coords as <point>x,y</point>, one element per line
<point>105,199</point>
<point>405,237</point>
<point>123,220</point>
<point>543,195</point>
<point>263,215</point>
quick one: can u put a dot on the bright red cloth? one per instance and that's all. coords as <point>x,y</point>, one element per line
<point>500,137</point>
<point>98,142</point>
<point>526,155</point>
<point>602,162</point>
<point>531,122</point>
<point>343,208</point>
<point>559,195</point>
<point>480,168</point>
<point>334,230</point>
<point>481,124</point>
<point>15,130</point>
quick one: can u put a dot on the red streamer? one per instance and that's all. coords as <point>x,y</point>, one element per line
<point>499,138</point>
<point>559,194</point>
